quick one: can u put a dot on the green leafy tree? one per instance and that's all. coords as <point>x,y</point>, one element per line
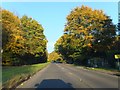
<point>35,40</point>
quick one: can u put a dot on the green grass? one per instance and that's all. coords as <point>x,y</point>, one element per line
<point>11,76</point>
<point>107,70</point>
<point>104,69</point>
<point>0,77</point>
<point>112,71</point>
<point>99,68</point>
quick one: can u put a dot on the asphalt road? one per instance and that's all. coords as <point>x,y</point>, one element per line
<point>67,76</point>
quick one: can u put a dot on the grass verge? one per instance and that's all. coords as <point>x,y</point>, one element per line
<point>104,70</point>
<point>13,76</point>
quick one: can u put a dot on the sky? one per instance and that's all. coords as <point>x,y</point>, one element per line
<point>52,15</point>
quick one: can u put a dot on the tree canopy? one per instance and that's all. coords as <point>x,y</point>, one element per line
<point>53,56</point>
<point>87,32</point>
<point>22,38</point>
<point>11,33</point>
<point>35,40</point>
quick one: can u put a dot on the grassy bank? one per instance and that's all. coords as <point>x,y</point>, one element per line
<point>106,70</point>
<point>100,69</point>
<point>0,77</point>
<point>13,76</point>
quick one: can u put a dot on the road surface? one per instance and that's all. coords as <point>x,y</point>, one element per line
<point>68,76</point>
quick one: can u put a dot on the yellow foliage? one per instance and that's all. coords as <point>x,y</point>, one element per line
<point>53,56</point>
<point>12,32</point>
<point>89,45</point>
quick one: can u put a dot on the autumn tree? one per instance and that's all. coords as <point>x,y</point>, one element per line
<point>53,56</point>
<point>23,40</point>
<point>86,32</point>
<point>11,33</point>
<point>12,40</point>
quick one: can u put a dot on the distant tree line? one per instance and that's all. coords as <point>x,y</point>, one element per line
<point>53,56</point>
<point>89,38</point>
<point>23,40</point>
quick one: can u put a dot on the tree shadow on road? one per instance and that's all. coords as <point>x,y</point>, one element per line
<point>54,84</point>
